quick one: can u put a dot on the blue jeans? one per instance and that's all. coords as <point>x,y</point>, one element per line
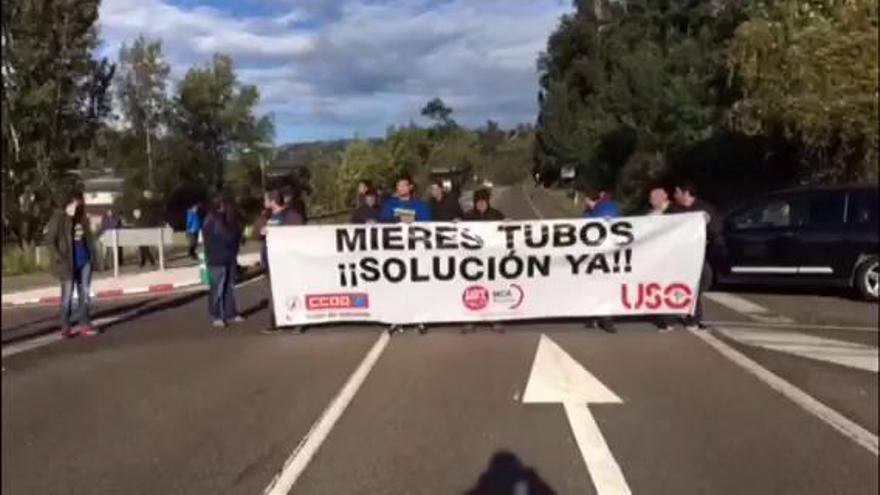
<point>82,280</point>
<point>221,302</point>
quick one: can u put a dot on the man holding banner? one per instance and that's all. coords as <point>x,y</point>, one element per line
<point>278,214</point>
<point>600,205</point>
<point>687,202</point>
<point>405,209</point>
<point>483,212</point>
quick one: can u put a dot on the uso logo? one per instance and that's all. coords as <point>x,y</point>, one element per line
<point>475,297</point>
<point>655,296</point>
<point>353,300</point>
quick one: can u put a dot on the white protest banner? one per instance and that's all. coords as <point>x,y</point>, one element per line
<point>470,271</point>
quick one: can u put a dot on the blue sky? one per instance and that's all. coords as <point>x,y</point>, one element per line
<point>334,69</point>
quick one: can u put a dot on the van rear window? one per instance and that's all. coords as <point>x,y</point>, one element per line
<point>863,208</point>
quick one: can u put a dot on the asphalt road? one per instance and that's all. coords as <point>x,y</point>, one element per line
<point>162,403</point>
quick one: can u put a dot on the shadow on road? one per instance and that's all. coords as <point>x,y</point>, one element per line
<point>263,304</point>
<point>11,334</point>
<point>169,304</point>
<point>506,475</point>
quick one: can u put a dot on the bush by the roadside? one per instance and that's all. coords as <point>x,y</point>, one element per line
<point>17,261</point>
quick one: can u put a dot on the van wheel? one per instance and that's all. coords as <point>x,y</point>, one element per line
<point>867,279</point>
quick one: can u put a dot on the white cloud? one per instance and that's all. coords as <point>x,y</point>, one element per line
<point>359,65</point>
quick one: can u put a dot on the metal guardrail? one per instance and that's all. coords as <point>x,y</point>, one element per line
<point>128,237</point>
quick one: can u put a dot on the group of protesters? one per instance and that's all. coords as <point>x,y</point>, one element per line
<point>599,204</point>
<point>71,242</point>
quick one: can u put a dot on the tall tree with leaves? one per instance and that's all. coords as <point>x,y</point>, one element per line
<point>215,111</point>
<point>55,100</point>
<point>626,77</point>
<point>141,90</point>
<point>809,71</point>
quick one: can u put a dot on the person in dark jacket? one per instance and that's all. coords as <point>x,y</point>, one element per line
<point>483,210</point>
<point>686,201</point>
<point>444,207</point>
<point>72,250</point>
<point>363,187</point>
<point>293,200</point>
<point>600,205</point>
<point>369,211</point>
<point>278,215</point>
<point>222,236</point>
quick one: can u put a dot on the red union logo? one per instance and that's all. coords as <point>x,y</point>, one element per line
<point>353,300</point>
<point>655,296</point>
<point>475,297</point>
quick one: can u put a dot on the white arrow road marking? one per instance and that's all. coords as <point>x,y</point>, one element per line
<point>822,349</point>
<point>557,378</point>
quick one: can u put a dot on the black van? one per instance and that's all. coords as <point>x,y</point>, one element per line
<point>819,236</point>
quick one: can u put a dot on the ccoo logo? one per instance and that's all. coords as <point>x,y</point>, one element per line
<point>353,300</point>
<point>655,296</point>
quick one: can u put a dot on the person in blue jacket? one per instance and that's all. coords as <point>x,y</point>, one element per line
<point>598,204</point>
<point>222,236</point>
<point>404,208</point>
<point>193,226</point>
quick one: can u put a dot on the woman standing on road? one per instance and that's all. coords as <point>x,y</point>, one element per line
<point>222,236</point>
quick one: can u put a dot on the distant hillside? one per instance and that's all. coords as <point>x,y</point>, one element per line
<point>304,154</point>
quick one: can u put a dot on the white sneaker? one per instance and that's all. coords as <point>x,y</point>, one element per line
<point>219,324</point>
<point>238,319</point>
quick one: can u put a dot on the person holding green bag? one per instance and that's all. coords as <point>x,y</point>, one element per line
<point>222,234</point>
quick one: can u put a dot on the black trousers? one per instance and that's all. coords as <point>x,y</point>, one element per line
<point>272,323</point>
<point>705,275</point>
<point>108,257</point>
<point>193,241</point>
<point>147,255</point>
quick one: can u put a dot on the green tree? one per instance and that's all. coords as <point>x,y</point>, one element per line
<point>621,78</point>
<point>365,160</point>
<point>809,71</point>
<point>55,100</point>
<point>438,111</point>
<point>215,111</point>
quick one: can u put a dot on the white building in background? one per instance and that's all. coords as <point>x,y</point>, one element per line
<point>99,192</point>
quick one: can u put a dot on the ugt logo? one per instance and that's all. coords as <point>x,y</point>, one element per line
<point>654,296</point>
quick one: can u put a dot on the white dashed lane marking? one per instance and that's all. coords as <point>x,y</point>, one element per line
<point>822,349</point>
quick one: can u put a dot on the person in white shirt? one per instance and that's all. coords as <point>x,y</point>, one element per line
<point>659,200</point>
<point>660,205</point>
